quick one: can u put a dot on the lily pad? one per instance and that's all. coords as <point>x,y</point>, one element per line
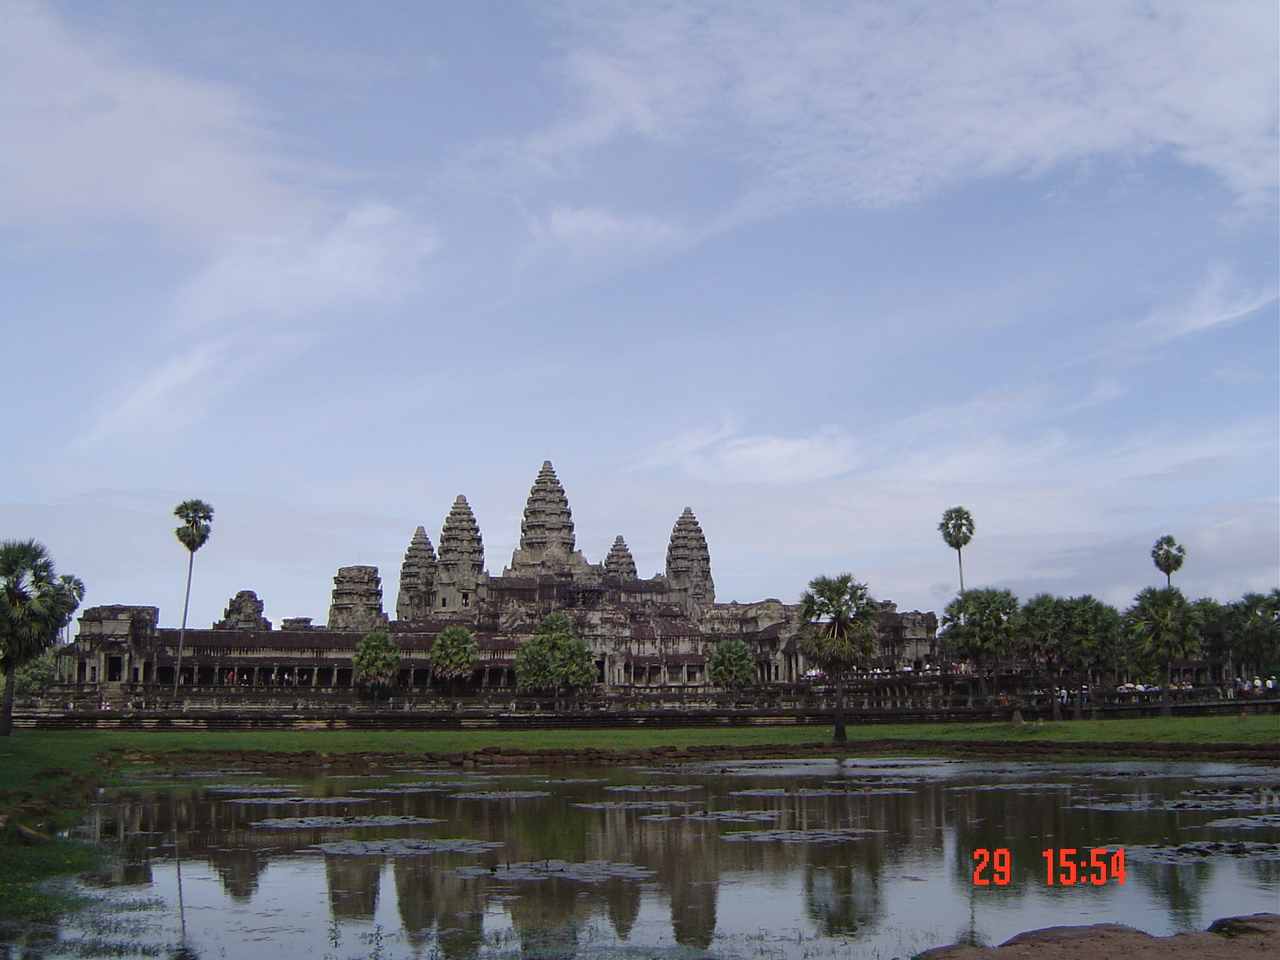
<point>300,801</point>
<point>260,789</point>
<point>1202,850</point>
<point>654,788</point>
<point>405,847</point>
<point>838,835</point>
<point>590,871</point>
<point>1258,822</point>
<point>637,804</point>
<point>312,823</point>
<point>719,816</point>
<point>809,793</point>
<point>502,795</point>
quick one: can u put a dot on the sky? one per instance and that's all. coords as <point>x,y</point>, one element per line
<point>818,271</point>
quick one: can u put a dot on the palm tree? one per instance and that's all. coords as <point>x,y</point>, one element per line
<point>197,520</point>
<point>35,605</point>
<point>1165,627</point>
<point>1167,554</point>
<point>841,634</point>
<point>979,626</point>
<point>957,530</point>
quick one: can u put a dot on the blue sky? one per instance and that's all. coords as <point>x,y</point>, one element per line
<point>819,276</point>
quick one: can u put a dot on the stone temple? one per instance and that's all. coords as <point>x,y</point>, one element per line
<point>644,632</point>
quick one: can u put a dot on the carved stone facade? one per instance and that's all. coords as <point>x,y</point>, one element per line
<point>651,632</point>
<point>244,612</point>
<point>417,579</point>
<point>619,563</point>
<point>357,599</point>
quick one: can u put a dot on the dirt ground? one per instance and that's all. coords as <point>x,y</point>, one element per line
<point>1253,936</point>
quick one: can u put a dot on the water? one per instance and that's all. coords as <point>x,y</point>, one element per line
<point>869,858</point>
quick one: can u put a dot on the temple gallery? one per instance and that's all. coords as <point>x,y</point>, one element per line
<point>649,632</point>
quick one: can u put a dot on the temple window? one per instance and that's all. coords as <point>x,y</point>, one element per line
<point>466,599</point>
<point>444,602</point>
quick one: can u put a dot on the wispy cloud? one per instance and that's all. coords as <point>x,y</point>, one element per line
<point>91,134</point>
<point>1220,299</point>
<point>883,103</point>
<point>372,254</point>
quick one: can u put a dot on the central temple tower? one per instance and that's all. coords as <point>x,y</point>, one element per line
<point>546,533</point>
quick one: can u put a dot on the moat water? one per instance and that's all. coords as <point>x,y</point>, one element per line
<point>799,859</point>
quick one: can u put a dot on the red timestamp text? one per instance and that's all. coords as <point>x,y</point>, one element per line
<point>1064,866</point>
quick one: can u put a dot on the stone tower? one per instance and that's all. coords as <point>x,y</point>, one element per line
<point>620,563</point>
<point>460,572</point>
<point>357,600</point>
<point>417,579</point>
<point>546,532</point>
<point>244,612</point>
<point>689,565</point>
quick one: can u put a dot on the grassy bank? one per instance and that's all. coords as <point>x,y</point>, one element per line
<point>41,764</point>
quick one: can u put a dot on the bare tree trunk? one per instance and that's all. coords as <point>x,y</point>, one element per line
<point>10,688</point>
<point>960,560</point>
<point>841,736</point>
<point>1166,708</point>
<point>182,634</point>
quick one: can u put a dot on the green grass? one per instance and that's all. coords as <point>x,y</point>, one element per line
<point>23,893</point>
<point>26,757</point>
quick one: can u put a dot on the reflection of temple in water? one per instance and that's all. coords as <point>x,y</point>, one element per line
<point>433,902</point>
<point>353,886</point>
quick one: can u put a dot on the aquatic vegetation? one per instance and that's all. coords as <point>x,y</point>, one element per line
<point>406,847</point>
<point>311,823</point>
<point>590,871</point>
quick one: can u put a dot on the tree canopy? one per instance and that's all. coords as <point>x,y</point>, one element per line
<point>454,654</point>
<point>1167,554</point>
<point>554,659</point>
<point>731,665</point>
<point>840,624</point>
<point>376,661</point>
<point>35,604</point>
<point>979,625</point>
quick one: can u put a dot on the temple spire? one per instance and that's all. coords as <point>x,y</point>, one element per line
<point>417,578</point>
<point>689,563</point>
<point>460,541</point>
<point>619,563</point>
<point>546,532</point>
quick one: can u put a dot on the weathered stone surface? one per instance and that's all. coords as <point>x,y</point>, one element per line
<point>619,563</point>
<point>357,599</point>
<point>417,579</point>
<point>460,575</point>
<point>296,623</point>
<point>460,541</point>
<point>244,612</point>
<point>546,532</point>
<point>689,564</point>
<point>655,631</point>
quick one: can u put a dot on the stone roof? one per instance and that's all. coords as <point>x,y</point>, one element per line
<point>460,542</point>
<point>357,599</point>
<point>688,558</point>
<point>417,576</point>
<point>244,612</point>
<point>548,521</point>
<point>619,563</point>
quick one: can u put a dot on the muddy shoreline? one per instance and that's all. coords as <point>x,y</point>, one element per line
<point>591,756</point>
<point>1257,935</point>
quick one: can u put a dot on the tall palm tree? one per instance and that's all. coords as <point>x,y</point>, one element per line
<point>841,633</point>
<point>197,520</point>
<point>1167,554</point>
<point>957,530</point>
<point>35,605</point>
<point>1165,627</point>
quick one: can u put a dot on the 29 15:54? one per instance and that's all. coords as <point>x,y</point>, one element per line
<point>1064,866</point>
